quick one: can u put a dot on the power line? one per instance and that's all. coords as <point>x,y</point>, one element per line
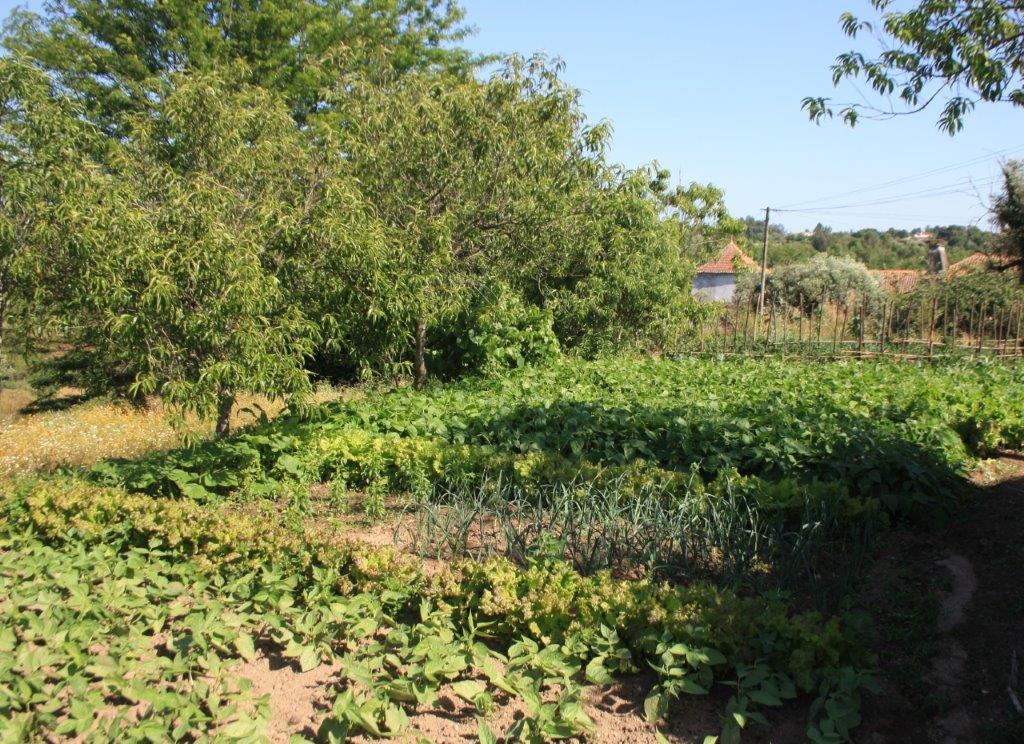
<point>918,218</point>
<point>906,179</point>
<point>934,191</point>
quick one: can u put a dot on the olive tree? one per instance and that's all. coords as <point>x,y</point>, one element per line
<point>820,281</point>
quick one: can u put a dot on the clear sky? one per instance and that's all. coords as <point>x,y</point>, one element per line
<point>712,91</point>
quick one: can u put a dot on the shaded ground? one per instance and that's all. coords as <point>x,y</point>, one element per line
<point>949,611</point>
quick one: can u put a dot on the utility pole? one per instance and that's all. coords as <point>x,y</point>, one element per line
<point>764,265</point>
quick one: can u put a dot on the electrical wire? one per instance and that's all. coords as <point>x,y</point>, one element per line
<point>934,191</point>
<point>905,179</point>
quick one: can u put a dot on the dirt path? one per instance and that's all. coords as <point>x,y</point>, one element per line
<point>950,613</point>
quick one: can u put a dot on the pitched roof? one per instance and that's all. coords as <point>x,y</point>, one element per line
<point>896,280</point>
<point>979,260</point>
<point>726,262</point>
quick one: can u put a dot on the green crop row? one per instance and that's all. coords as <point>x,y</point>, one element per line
<point>96,578</point>
<point>897,433</point>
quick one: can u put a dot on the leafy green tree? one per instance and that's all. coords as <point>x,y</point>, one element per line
<point>179,244</point>
<point>958,52</point>
<point>806,286</point>
<point>487,182</point>
<point>1009,210</point>
<point>115,55</point>
<point>698,214</point>
<point>444,162</point>
<point>45,150</point>
<point>819,237</point>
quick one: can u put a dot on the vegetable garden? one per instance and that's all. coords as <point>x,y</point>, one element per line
<point>697,523</point>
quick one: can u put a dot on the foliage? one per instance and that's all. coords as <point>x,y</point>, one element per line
<point>1009,210</point>
<point>959,51</point>
<point>698,215</point>
<point>115,57</point>
<point>638,520</point>
<point>503,183</point>
<point>876,249</point>
<point>214,248</point>
<point>834,444</point>
<point>172,287</point>
<point>44,160</point>
<point>216,587</point>
<point>500,332</point>
<point>981,292</point>
<point>77,634</point>
<point>887,432</point>
<point>823,280</point>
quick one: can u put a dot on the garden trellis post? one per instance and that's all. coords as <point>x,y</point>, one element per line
<point>764,267</point>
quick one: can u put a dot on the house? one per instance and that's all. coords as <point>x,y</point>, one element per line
<point>901,281</point>
<point>716,280</point>
<point>897,281</point>
<point>979,261</point>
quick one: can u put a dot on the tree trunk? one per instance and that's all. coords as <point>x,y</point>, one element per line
<point>420,370</point>
<point>226,403</point>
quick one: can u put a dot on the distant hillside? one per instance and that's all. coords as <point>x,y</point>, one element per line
<point>889,249</point>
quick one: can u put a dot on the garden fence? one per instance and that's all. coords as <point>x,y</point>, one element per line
<point>885,329</point>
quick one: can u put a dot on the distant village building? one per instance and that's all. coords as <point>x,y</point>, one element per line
<point>716,280</point>
<point>901,281</point>
<point>979,261</point>
<point>897,281</point>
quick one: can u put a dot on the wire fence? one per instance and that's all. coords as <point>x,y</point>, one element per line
<point>891,329</point>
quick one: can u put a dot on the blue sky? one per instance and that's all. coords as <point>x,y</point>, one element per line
<point>712,91</point>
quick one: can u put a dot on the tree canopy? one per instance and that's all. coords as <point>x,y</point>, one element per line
<point>115,56</point>
<point>950,53</point>
<point>1009,210</point>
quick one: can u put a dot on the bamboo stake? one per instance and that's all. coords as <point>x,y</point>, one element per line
<point>883,326</point>
<point>746,316</point>
<point>1017,340</point>
<point>821,314</point>
<point>800,331</point>
<point>835,332</point>
<point>981,328</point>
<point>860,337</point>
<point>956,328</point>
<point>842,328</point>
<point>945,321</point>
<point>931,325</point>
<point>736,326</point>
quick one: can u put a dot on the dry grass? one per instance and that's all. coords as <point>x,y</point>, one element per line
<point>87,432</point>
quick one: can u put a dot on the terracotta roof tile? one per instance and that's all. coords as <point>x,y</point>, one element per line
<point>726,262</point>
<point>978,260</point>
<point>897,280</point>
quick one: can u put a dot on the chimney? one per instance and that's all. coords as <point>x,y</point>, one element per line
<point>937,260</point>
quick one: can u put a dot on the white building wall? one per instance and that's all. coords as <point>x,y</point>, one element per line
<point>714,286</point>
